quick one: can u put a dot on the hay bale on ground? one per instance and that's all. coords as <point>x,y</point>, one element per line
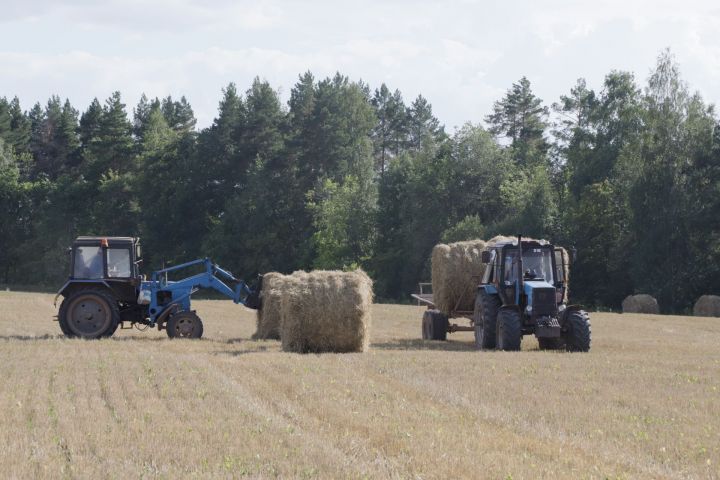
<point>326,311</point>
<point>268,315</point>
<point>641,303</point>
<point>707,306</point>
<point>453,267</point>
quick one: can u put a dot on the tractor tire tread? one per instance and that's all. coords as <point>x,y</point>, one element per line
<point>509,330</point>
<point>578,336</point>
<point>100,292</point>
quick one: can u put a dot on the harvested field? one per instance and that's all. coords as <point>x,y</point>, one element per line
<point>642,404</point>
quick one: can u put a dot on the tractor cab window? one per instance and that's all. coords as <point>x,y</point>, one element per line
<point>118,262</point>
<point>537,265</point>
<point>88,262</point>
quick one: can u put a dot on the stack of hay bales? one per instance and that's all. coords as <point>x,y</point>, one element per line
<point>707,306</point>
<point>641,303</point>
<point>453,268</point>
<point>268,315</point>
<point>326,311</point>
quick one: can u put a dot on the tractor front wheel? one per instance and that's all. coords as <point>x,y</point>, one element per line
<point>184,325</point>
<point>91,313</point>
<point>509,330</point>
<point>577,336</point>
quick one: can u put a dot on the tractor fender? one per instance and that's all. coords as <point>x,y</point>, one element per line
<point>73,285</point>
<point>568,310</point>
<point>489,288</point>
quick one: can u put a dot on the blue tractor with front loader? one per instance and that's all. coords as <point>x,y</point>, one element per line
<point>105,291</point>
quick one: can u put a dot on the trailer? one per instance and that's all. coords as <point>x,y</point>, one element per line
<point>436,324</point>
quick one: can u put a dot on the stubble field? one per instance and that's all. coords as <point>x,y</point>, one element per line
<point>644,403</point>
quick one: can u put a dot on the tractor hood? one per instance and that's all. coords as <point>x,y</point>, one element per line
<point>530,285</point>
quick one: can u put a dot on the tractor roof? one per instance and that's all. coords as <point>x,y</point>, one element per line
<point>91,239</point>
<point>525,242</point>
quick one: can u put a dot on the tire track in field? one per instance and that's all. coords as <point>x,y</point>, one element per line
<point>497,415</point>
<point>316,444</point>
<point>273,386</point>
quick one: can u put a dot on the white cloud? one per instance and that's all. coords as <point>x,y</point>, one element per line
<point>460,54</point>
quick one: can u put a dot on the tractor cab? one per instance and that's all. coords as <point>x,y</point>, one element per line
<point>515,276</point>
<point>108,258</point>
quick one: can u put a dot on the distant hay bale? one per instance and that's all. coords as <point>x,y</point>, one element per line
<point>641,303</point>
<point>326,311</point>
<point>707,306</point>
<point>268,315</point>
<point>455,270</point>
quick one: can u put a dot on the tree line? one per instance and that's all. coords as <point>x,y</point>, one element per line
<point>344,176</point>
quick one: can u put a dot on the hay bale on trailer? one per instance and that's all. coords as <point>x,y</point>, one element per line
<point>268,315</point>
<point>641,303</point>
<point>455,269</point>
<point>326,311</point>
<point>707,306</point>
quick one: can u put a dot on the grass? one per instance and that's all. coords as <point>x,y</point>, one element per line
<point>643,403</point>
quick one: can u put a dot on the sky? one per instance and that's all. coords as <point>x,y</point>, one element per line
<point>462,55</point>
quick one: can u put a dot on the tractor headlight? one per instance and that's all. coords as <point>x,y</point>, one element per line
<point>144,297</point>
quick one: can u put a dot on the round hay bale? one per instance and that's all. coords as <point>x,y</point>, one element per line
<point>326,311</point>
<point>641,303</point>
<point>456,270</point>
<point>268,315</point>
<point>707,306</point>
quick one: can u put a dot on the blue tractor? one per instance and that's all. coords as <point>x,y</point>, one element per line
<point>105,290</point>
<point>524,292</point>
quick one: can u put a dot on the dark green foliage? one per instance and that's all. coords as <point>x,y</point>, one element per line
<point>344,176</point>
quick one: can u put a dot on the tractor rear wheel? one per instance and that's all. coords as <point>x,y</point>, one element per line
<point>509,330</point>
<point>436,324</point>
<point>91,313</point>
<point>577,336</point>
<point>184,325</point>
<point>485,319</point>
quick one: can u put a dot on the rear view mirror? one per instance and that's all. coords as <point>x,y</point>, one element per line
<point>485,256</point>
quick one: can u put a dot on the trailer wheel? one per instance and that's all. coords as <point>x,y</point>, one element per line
<point>89,313</point>
<point>437,325</point>
<point>509,330</point>
<point>577,337</point>
<point>425,327</point>
<point>485,319</point>
<point>184,325</point>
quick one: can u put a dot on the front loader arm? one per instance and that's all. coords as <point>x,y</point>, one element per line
<point>212,277</point>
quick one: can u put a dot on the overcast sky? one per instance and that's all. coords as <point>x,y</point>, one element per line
<point>462,55</point>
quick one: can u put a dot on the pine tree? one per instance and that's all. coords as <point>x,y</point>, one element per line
<point>521,117</point>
